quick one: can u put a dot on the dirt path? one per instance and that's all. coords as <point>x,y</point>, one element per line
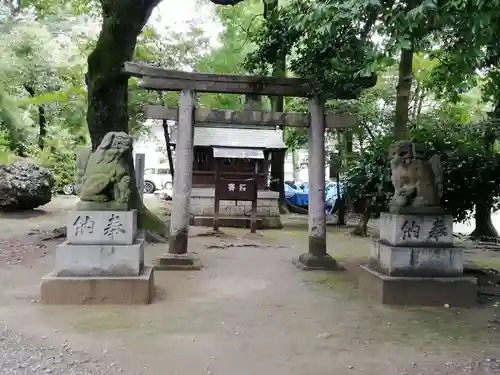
<point>48,216</point>
<point>250,311</point>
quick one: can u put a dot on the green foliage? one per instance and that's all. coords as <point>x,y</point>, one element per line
<point>321,45</point>
<point>228,57</point>
<point>60,159</point>
<point>169,49</point>
<point>469,53</point>
<point>6,156</point>
<point>471,165</point>
<point>11,125</point>
<point>370,178</point>
<point>43,61</point>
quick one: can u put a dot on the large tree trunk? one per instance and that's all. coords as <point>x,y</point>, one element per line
<point>170,157</point>
<point>484,225</point>
<point>108,87</point>
<point>403,94</point>
<point>333,165</point>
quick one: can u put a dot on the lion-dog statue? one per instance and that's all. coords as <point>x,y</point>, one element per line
<point>417,182</point>
<point>104,175</point>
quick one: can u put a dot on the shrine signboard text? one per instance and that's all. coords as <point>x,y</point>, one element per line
<point>233,189</point>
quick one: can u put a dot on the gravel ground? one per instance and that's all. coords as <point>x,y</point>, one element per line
<point>485,366</point>
<point>20,355</point>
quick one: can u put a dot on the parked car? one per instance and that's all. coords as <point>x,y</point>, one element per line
<point>154,179</point>
<point>69,189</point>
<point>299,195</point>
<point>158,178</point>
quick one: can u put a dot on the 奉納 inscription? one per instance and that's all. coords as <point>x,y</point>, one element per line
<point>411,230</point>
<point>113,226</point>
<point>438,230</point>
<point>83,225</point>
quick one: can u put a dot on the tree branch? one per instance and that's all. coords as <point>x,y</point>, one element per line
<point>226,2</point>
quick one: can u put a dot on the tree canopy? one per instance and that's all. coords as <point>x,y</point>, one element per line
<point>424,69</point>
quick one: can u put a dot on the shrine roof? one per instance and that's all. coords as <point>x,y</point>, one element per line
<point>236,137</point>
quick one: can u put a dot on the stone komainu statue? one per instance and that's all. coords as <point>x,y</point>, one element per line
<point>104,175</point>
<point>417,181</point>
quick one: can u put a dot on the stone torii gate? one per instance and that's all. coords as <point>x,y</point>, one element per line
<point>187,115</point>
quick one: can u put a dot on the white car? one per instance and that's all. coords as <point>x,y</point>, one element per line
<point>158,178</point>
<point>154,179</point>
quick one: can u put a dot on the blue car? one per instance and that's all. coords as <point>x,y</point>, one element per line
<point>299,196</point>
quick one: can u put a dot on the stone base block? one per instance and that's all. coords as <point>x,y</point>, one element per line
<point>101,227</point>
<point>271,222</point>
<point>418,291</point>
<point>100,260</point>
<point>411,229</point>
<point>416,261</point>
<point>132,290</point>
<point>309,262</point>
<point>178,262</point>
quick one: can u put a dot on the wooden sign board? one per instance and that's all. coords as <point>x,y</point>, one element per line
<point>232,189</point>
<point>236,189</point>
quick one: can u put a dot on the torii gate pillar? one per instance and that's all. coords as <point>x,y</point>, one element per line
<point>316,258</point>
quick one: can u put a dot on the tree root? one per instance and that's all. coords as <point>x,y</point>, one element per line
<point>296,209</point>
<point>152,237</point>
<point>151,223</point>
<point>284,209</point>
<point>55,234</point>
<point>359,231</point>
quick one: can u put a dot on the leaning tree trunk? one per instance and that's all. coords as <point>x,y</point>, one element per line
<point>277,105</point>
<point>342,141</point>
<point>484,225</point>
<point>361,228</point>
<point>278,178</point>
<point>108,87</point>
<point>42,119</point>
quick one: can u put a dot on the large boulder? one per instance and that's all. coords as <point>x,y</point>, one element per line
<point>24,186</point>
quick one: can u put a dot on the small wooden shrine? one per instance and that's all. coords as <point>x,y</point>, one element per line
<point>233,153</point>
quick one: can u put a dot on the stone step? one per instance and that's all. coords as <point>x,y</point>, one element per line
<point>225,221</point>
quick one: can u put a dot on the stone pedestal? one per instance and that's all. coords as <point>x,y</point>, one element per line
<point>415,263</point>
<point>178,262</point>
<point>234,214</point>
<point>310,262</point>
<point>102,261</point>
